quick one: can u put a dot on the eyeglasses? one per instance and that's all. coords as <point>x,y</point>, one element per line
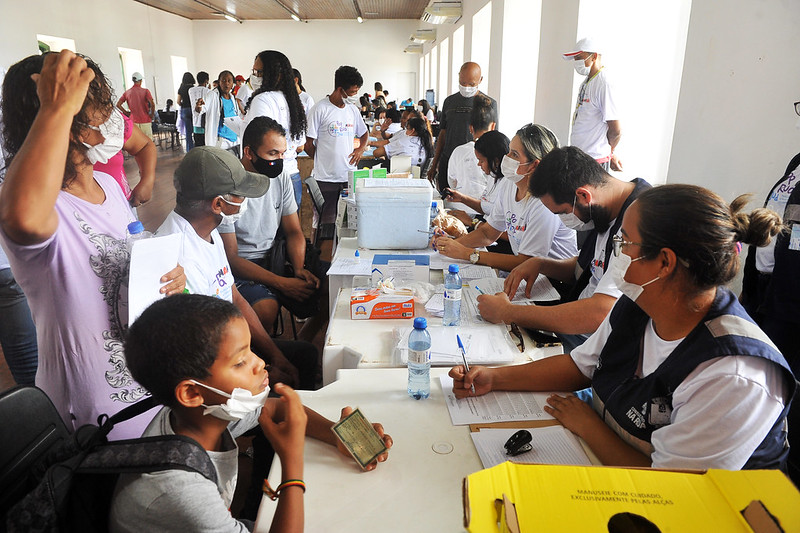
<point>797,107</point>
<point>95,128</point>
<point>258,73</point>
<point>620,243</point>
<point>513,329</point>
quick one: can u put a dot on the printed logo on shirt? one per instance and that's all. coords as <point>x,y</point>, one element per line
<point>339,129</point>
<point>515,226</point>
<point>637,417</point>
<point>598,267</point>
<point>221,276</point>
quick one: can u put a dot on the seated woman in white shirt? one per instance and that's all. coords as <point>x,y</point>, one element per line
<point>415,142</point>
<point>677,359</point>
<point>533,230</point>
<point>425,108</point>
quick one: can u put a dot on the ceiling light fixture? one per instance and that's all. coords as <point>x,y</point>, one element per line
<point>294,15</point>
<point>359,16</point>
<point>216,11</point>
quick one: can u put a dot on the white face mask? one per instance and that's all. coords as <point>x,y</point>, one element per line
<point>572,221</point>
<point>241,402</point>
<point>581,68</point>
<point>350,99</point>
<point>509,169</point>
<point>113,131</point>
<point>467,92</point>
<point>231,219</point>
<point>255,82</point>
<point>619,266</point>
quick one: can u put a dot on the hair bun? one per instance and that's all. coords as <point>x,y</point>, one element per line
<point>756,228</point>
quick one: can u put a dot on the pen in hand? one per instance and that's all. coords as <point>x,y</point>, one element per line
<point>464,357</point>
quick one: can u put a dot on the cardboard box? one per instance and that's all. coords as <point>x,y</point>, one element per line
<point>400,267</point>
<point>372,303</point>
<point>552,498</point>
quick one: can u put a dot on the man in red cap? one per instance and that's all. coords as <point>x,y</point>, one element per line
<point>595,124</point>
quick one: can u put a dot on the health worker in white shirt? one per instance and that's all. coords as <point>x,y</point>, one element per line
<point>533,230</point>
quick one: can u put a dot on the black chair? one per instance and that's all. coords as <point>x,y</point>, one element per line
<point>167,126</point>
<point>32,431</point>
<point>327,231</point>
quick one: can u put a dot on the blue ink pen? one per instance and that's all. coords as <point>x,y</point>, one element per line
<point>479,289</point>
<point>464,357</point>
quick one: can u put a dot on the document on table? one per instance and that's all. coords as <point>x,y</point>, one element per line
<point>554,445</point>
<point>495,406</point>
<point>476,272</point>
<point>484,345</point>
<point>542,289</point>
<point>150,259</point>
<point>350,266</point>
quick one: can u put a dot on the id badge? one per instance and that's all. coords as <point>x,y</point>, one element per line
<point>659,412</point>
<point>794,239</point>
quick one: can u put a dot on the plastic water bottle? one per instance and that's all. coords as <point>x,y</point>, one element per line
<point>419,360</point>
<point>135,232</point>
<point>452,297</point>
<point>434,212</point>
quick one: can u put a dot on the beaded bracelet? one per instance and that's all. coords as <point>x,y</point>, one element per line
<point>273,494</point>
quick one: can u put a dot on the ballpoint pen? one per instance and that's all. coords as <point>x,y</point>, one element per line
<point>466,365</point>
<point>479,290</point>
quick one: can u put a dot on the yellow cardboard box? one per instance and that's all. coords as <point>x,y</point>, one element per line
<point>553,498</point>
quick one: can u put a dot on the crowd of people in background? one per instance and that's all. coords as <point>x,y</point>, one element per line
<point>653,340</point>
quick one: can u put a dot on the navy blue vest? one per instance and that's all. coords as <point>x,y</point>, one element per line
<point>586,254</point>
<point>639,406</point>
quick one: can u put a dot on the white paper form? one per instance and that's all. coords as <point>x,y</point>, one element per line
<point>351,266</point>
<point>542,290</point>
<point>150,259</point>
<point>553,445</point>
<point>476,272</point>
<point>484,345</point>
<point>495,406</point>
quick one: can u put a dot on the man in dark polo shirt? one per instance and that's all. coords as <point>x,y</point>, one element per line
<point>454,122</point>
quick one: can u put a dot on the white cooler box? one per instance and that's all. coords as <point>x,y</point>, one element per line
<point>393,213</point>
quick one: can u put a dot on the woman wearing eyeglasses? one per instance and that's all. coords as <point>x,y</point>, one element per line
<point>682,377</point>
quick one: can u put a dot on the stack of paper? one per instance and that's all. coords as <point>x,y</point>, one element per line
<point>554,445</point>
<point>435,306</point>
<point>485,345</point>
<point>542,290</point>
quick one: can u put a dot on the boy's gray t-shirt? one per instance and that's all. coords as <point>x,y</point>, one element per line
<point>256,230</point>
<point>180,501</point>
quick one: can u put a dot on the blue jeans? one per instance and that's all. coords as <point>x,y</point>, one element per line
<point>297,185</point>
<point>186,116</point>
<point>17,332</point>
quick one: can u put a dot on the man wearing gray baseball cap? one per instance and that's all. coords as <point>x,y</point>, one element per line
<point>212,186</point>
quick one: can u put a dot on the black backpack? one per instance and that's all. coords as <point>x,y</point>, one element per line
<point>75,491</point>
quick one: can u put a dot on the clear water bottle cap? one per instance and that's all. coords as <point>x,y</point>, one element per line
<point>420,323</point>
<point>453,269</point>
<point>135,227</point>
<point>433,204</point>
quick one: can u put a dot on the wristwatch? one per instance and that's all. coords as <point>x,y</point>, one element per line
<point>474,257</point>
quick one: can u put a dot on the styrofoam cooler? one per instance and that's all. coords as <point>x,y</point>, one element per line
<point>393,213</point>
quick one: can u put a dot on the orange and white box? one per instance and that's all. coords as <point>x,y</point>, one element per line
<point>373,303</point>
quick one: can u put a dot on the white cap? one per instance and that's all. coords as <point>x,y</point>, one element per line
<point>137,76</point>
<point>587,44</point>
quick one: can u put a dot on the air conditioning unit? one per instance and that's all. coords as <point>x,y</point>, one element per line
<point>442,13</point>
<point>423,36</point>
<point>413,49</point>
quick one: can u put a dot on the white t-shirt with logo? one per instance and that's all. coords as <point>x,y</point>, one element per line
<point>204,263</point>
<point>533,230</point>
<point>402,144</point>
<point>595,107</point>
<point>598,281</point>
<point>333,129</point>
<point>465,176</point>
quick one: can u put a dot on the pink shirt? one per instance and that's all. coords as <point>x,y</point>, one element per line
<point>114,166</point>
<point>137,98</point>
<point>77,287</point>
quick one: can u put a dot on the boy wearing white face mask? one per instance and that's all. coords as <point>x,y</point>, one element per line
<point>454,121</point>
<point>595,124</point>
<point>213,389</point>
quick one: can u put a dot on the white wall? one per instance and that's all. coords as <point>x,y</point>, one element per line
<point>316,49</point>
<point>735,126</point>
<point>98,28</point>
